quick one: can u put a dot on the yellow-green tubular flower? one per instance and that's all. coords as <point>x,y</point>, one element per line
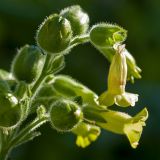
<point>78,19</point>
<point>65,115</point>
<point>116,83</point>
<point>27,64</point>
<point>86,134</point>
<point>122,123</point>
<point>104,36</point>
<point>119,122</point>
<point>54,34</point>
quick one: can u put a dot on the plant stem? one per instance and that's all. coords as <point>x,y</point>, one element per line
<point>21,136</point>
<point>4,155</point>
<point>3,150</point>
<point>37,84</point>
<point>76,41</point>
<point>42,76</point>
<point>28,129</point>
<point>80,39</point>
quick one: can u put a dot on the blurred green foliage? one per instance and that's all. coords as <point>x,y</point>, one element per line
<point>19,20</point>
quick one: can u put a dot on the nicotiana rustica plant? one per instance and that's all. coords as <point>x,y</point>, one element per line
<point>33,87</point>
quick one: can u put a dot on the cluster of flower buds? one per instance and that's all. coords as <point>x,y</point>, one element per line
<point>69,106</point>
<point>57,31</point>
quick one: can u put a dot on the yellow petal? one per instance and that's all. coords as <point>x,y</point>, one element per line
<point>133,130</point>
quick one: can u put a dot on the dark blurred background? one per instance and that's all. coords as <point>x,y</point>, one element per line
<point>19,20</point>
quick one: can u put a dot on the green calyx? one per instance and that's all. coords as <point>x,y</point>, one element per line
<point>68,87</point>
<point>106,35</point>
<point>78,19</point>
<point>65,115</point>
<point>27,64</point>
<point>54,34</point>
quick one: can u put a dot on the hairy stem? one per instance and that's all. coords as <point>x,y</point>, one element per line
<point>28,129</point>
<point>4,154</point>
<point>79,40</point>
<point>42,76</point>
<point>76,41</point>
<point>3,149</point>
<point>20,137</point>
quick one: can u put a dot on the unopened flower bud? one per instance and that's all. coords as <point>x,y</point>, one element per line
<point>78,19</point>
<point>54,34</point>
<point>9,110</point>
<point>27,64</point>
<point>69,87</point>
<point>65,115</point>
